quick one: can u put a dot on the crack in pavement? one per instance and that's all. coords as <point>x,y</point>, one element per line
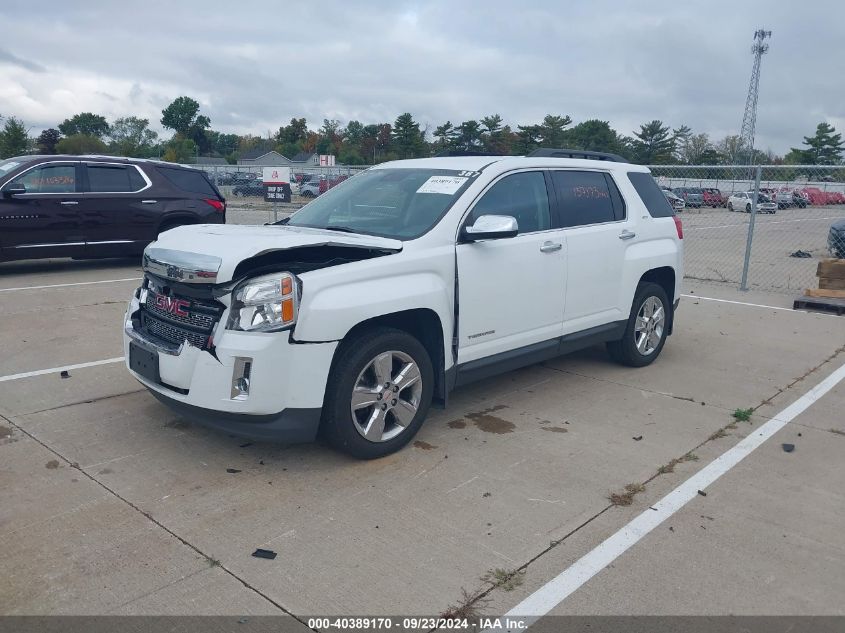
<point>479,597</point>
<point>158,523</point>
<point>77,403</point>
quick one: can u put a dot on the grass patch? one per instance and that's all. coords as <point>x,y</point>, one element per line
<point>670,467</point>
<point>742,415</point>
<point>837,431</point>
<point>213,562</point>
<point>690,457</point>
<point>625,498</point>
<point>504,579</point>
<point>718,434</point>
<point>467,608</point>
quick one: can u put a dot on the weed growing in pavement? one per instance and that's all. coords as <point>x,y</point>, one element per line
<point>504,579</point>
<point>625,498</point>
<point>468,607</point>
<point>743,415</point>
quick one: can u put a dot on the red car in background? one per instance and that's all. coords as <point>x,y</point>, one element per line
<point>714,198</point>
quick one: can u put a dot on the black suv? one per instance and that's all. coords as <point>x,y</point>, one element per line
<point>97,206</point>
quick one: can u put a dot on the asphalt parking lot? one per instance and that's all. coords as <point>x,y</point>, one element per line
<point>715,242</point>
<point>111,504</point>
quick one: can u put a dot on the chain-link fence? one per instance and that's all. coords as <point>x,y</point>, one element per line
<point>243,188</point>
<point>757,227</point>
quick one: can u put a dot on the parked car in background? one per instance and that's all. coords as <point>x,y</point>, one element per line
<point>836,239</point>
<point>310,188</point>
<point>97,206</point>
<point>742,200</point>
<point>248,184</point>
<point>783,198</point>
<point>677,202</point>
<point>692,196</point>
<point>712,197</point>
<point>799,199</point>
<point>815,196</point>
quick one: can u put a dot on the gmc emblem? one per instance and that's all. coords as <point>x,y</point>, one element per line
<point>177,307</point>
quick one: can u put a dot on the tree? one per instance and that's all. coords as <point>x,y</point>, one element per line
<point>407,138</point>
<point>47,141</point>
<point>182,115</point>
<point>444,135</point>
<point>496,138</point>
<point>180,150</point>
<point>81,144</point>
<point>131,136</point>
<point>697,150</point>
<point>527,138</point>
<point>823,148</point>
<point>594,135</point>
<point>729,148</point>
<point>13,138</point>
<point>86,123</point>
<point>653,144</point>
<point>552,130</point>
<point>468,136</point>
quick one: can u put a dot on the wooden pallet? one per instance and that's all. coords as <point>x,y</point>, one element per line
<point>821,304</point>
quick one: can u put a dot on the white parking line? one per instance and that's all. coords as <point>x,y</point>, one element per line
<point>56,370</point>
<point>79,283</point>
<point>741,303</point>
<point>745,224</point>
<point>559,588</point>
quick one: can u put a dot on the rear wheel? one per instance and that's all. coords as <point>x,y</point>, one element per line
<point>646,330</point>
<point>730,206</point>
<point>748,208</point>
<point>378,393</point>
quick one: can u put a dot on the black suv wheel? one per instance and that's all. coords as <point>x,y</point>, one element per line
<point>646,330</point>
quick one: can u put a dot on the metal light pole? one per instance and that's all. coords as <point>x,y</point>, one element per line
<point>749,118</point>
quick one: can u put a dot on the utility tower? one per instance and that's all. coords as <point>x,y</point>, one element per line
<point>745,149</point>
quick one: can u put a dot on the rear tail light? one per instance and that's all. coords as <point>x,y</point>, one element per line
<point>219,205</point>
<point>678,227</point>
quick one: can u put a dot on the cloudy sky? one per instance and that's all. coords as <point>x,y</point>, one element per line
<point>254,65</point>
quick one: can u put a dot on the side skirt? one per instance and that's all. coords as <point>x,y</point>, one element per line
<point>533,354</point>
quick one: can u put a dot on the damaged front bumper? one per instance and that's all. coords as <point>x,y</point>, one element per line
<point>257,385</point>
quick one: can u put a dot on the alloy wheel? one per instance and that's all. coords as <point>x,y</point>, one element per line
<point>648,330</point>
<point>386,396</point>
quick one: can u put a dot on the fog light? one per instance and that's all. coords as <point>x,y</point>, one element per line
<point>240,378</point>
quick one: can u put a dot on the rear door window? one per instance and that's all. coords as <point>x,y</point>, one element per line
<point>189,180</point>
<point>651,195</point>
<point>587,197</point>
<point>114,179</point>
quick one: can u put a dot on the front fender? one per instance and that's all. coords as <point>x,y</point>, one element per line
<point>334,300</point>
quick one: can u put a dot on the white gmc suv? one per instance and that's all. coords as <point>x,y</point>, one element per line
<point>385,293</point>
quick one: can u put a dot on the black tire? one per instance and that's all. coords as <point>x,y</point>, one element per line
<point>748,208</point>
<point>730,206</point>
<point>624,351</point>
<point>353,359</point>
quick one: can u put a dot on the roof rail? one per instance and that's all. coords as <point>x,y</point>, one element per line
<point>550,152</point>
<point>463,152</point>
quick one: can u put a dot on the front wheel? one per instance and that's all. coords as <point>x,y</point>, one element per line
<point>730,206</point>
<point>646,330</point>
<point>378,393</point>
<point>748,208</point>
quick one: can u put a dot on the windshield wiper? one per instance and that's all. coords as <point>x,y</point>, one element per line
<point>342,229</point>
<point>277,222</point>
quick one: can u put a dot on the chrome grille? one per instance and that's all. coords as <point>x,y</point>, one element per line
<point>173,333</point>
<point>197,319</point>
<point>193,322</point>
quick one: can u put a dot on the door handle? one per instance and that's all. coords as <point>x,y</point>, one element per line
<point>550,247</point>
<point>69,203</point>
<point>148,201</point>
<point>627,235</point>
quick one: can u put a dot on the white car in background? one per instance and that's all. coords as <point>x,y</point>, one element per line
<point>741,201</point>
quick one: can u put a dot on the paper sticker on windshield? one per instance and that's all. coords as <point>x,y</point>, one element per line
<point>442,184</point>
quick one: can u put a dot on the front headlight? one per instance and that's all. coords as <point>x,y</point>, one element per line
<point>264,304</point>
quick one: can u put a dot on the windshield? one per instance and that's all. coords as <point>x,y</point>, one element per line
<point>396,203</point>
<point>8,165</point>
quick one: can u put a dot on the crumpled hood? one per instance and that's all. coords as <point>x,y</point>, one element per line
<point>209,253</point>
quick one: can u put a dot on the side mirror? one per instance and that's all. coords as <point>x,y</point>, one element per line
<point>14,189</point>
<point>490,227</point>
